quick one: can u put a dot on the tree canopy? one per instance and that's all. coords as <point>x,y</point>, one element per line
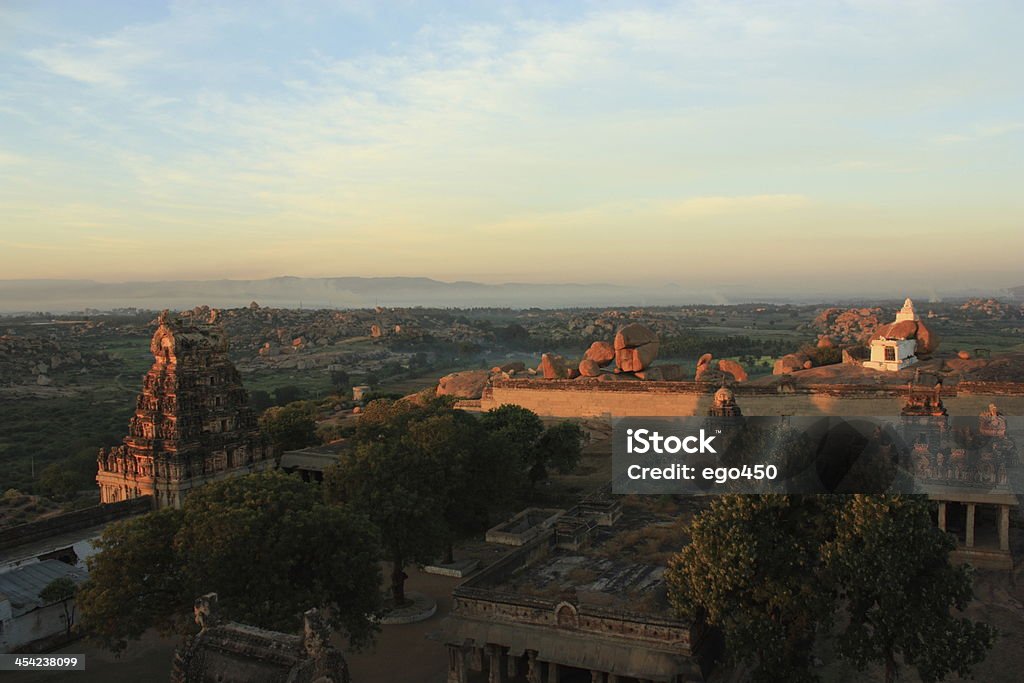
<point>290,427</point>
<point>750,570</point>
<point>266,543</point>
<point>891,566</point>
<point>777,573</point>
<point>424,473</point>
<point>522,438</point>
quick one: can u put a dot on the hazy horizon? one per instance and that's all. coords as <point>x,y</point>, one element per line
<point>62,296</point>
<point>782,147</point>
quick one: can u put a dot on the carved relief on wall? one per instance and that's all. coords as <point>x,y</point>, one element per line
<point>566,615</point>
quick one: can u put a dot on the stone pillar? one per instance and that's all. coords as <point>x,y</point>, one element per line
<point>596,677</point>
<point>513,666</point>
<point>532,667</point>
<point>496,664</point>
<point>942,515</point>
<point>970,525</point>
<point>457,665</point>
<point>613,678</point>
<point>553,672</point>
<point>476,659</point>
<point>1004,527</point>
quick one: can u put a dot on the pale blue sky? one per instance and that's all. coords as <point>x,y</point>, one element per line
<point>784,143</point>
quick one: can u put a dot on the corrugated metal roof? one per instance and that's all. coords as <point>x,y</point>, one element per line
<point>22,585</point>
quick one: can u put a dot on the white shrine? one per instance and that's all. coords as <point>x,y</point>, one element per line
<point>895,348</point>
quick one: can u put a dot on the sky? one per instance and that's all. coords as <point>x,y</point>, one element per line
<point>774,145</point>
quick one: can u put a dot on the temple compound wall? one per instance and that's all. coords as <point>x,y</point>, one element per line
<point>192,422</point>
<point>576,398</point>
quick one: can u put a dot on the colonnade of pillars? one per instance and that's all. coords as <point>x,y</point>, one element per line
<point>502,668</point>
<point>1004,524</point>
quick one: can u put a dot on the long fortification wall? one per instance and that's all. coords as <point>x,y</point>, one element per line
<point>32,532</point>
<point>572,398</point>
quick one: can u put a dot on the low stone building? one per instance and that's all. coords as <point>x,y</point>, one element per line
<point>310,463</point>
<point>565,606</point>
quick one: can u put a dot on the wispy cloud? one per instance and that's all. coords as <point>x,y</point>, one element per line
<point>695,207</point>
<point>982,132</point>
<point>105,62</point>
<point>439,135</point>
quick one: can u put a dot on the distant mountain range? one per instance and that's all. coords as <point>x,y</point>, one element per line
<point>60,296</point>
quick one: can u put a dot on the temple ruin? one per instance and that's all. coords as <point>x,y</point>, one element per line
<point>229,652</point>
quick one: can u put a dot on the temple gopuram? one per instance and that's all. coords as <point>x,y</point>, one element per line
<point>192,423</point>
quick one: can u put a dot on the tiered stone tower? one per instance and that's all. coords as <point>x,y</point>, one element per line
<point>192,423</point>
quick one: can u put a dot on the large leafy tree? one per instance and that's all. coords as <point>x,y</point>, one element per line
<point>266,543</point>
<point>402,490</point>
<point>892,566</point>
<point>751,570</point>
<point>520,435</point>
<point>515,430</point>
<point>290,427</point>
<point>559,447</point>
<point>770,571</point>
<point>424,473</point>
<point>476,474</point>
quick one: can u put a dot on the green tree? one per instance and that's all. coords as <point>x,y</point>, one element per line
<point>341,381</point>
<point>515,431</point>
<point>403,494</point>
<point>266,543</point>
<point>560,447</point>
<point>520,435</point>
<point>290,427</point>
<point>900,590</point>
<point>771,571</point>
<point>425,474</point>
<point>135,581</point>
<point>475,473</point>
<point>260,400</point>
<point>67,477</point>
<point>62,590</point>
<point>386,419</point>
<point>288,394</point>
<point>751,570</point>
<point>57,481</point>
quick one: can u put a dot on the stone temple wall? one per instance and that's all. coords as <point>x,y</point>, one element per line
<point>569,398</point>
